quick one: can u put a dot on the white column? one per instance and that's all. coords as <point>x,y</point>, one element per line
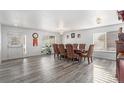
<point>0,44</point>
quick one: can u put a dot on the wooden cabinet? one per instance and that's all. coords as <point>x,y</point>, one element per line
<point>120,61</point>
<point>121,71</point>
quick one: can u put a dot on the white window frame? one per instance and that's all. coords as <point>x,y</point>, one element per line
<point>105,46</point>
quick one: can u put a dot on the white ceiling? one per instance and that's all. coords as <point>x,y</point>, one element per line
<point>58,20</point>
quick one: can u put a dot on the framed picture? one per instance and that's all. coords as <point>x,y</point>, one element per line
<point>15,40</point>
<point>72,35</point>
<point>78,35</point>
<point>67,36</point>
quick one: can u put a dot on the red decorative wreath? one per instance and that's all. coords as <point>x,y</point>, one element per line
<point>35,39</point>
<point>35,35</point>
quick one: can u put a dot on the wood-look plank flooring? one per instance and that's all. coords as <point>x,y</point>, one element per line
<point>104,71</point>
<point>46,69</point>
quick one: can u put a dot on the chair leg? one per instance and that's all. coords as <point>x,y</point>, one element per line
<point>73,60</point>
<point>67,59</point>
<point>64,57</point>
<point>84,58</point>
<point>80,60</point>
<point>59,56</point>
<point>88,60</point>
<point>91,59</point>
<point>54,55</point>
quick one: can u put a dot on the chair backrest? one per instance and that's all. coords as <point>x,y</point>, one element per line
<point>119,47</point>
<point>61,48</point>
<point>70,50</point>
<point>90,50</point>
<point>55,48</point>
<point>75,46</point>
<point>82,46</point>
<point>121,36</point>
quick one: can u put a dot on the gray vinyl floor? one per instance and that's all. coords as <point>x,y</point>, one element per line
<point>46,69</point>
<point>104,71</point>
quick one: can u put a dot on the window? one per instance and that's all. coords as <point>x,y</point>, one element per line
<point>105,41</point>
<point>99,41</point>
<point>111,37</point>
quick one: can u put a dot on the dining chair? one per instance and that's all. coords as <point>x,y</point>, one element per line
<point>71,54</point>
<point>89,54</point>
<point>62,50</point>
<point>75,46</point>
<point>82,47</point>
<point>56,50</point>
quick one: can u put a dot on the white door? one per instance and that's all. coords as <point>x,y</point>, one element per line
<point>15,45</point>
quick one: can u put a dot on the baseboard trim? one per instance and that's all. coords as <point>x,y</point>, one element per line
<point>24,57</point>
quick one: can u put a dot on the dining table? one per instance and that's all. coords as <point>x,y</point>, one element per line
<point>78,51</point>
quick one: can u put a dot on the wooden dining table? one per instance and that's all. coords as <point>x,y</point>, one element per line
<point>78,51</point>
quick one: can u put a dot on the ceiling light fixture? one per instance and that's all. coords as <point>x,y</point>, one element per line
<point>60,27</point>
<point>15,24</point>
<point>98,20</point>
<point>61,32</point>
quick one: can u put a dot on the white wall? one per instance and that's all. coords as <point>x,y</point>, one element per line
<point>31,51</point>
<point>87,38</point>
<point>0,43</point>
